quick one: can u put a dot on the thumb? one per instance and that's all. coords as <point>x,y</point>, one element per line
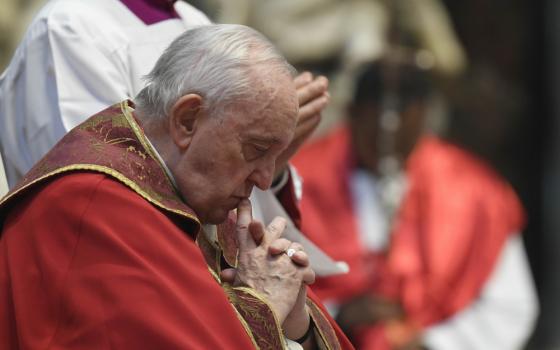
<point>244,219</point>
<point>228,275</point>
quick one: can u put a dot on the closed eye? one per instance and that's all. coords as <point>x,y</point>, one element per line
<point>254,151</point>
<point>261,148</point>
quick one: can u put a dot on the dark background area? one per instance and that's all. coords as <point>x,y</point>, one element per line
<point>517,39</point>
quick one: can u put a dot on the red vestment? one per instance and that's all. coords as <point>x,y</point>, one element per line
<point>446,236</point>
<point>98,252</point>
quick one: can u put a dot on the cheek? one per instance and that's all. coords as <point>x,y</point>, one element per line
<point>220,168</point>
<point>240,177</point>
<point>230,178</point>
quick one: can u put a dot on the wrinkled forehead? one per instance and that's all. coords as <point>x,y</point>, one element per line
<point>271,114</point>
<point>274,93</point>
<point>277,116</point>
<point>275,85</point>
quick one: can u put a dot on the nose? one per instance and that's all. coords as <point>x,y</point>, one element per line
<point>263,175</point>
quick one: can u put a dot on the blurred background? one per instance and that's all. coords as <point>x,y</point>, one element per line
<point>513,46</point>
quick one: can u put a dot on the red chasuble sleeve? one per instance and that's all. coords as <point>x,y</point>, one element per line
<point>86,263</point>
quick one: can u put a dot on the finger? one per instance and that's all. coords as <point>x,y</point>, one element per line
<point>308,276</point>
<point>279,246</point>
<point>304,130</point>
<point>313,107</point>
<point>275,229</point>
<point>300,258</point>
<point>244,218</point>
<point>312,90</point>
<point>256,230</point>
<point>228,275</point>
<point>297,246</point>
<point>302,79</point>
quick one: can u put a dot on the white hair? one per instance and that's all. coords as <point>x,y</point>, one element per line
<point>215,61</point>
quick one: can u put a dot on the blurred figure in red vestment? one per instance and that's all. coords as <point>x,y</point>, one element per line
<point>430,231</point>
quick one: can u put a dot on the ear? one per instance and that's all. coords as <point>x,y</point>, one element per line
<point>183,119</point>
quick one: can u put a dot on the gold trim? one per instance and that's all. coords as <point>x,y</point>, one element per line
<point>228,290</point>
<point>127,112</point>
<point>214,274</point>
<point>321,343</point>
<point>264,301</point>
<point>246,326</point>
<point>318,329</point>
<point>108,171</point>
<point>218,261</point>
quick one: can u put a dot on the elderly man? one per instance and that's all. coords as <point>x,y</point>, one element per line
<point>110,241</point>
<point>79,56</point>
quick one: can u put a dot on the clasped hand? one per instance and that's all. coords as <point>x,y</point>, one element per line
<point>264,266</point>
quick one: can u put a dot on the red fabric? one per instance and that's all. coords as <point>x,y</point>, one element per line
<point>342,339</point>
<point>328,216</point>
<point>447,235</point>
<point>87,274</point>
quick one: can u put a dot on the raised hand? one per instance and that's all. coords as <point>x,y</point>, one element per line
<point>313,97</point>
